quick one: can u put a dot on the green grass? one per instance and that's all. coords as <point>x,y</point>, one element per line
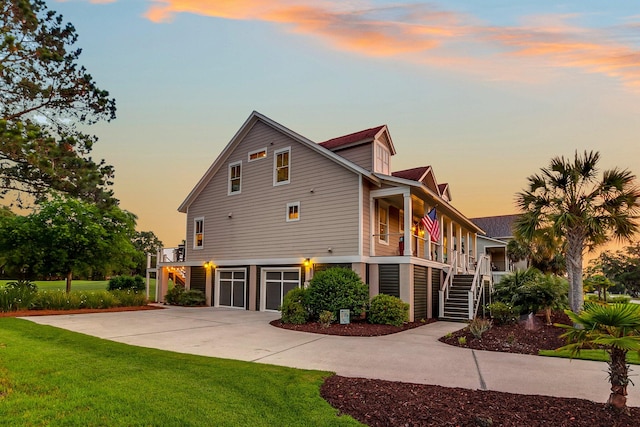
<point>49,376</point>
<point>597,355</point>
<point>82,285</point>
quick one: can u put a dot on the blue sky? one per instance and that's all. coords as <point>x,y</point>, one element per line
<point>485,92</point>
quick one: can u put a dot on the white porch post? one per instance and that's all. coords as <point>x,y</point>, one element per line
<point>408,240</point>
<point>208,288</point>
<point>441,240</point>
<point>450,243</point>
<point>373,224</point>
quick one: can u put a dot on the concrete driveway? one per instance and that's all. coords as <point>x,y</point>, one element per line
<point>414,356</point>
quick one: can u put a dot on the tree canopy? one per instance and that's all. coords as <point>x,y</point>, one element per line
<point>569,201</point>
<point>45,98</point>
<point>621,267</point>
<point>145,242</point>
<point>68,236</point>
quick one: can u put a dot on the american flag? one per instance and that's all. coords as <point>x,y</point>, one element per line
<point>431,224</point>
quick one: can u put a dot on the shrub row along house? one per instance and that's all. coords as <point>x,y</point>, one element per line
<point>275,207</point>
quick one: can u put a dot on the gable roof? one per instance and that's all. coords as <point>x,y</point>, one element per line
<point>362,136</point>
<point>445,191</point>
<point>414,174</point>
<point>497,226</point>
<point>254,117</point>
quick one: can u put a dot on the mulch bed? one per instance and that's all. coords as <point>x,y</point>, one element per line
<point>353,329</point>
<point>26,313</point>
<point>388,403</point>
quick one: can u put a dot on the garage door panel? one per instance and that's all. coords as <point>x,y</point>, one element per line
<point>225,293</point>
<point>273,295</point>
<point>238,294</point>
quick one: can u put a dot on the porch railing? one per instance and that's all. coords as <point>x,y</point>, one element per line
<point>477,290</point>
<point>444,289</point>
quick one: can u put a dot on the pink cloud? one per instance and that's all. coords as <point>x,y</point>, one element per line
<point>422,33</point>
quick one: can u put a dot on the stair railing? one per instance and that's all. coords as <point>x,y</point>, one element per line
<point>477,286</point>
<point>444,289</point>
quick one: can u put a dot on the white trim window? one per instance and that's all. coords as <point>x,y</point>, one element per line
<point>231,287</point>
<point>275,284</point>
<point>383,224</point>
<point>235,178</point>
<point>293,211</point>
<point>257,154</point>
<point>382,159</point>
<point>198,233</point>
<point>282,166</point>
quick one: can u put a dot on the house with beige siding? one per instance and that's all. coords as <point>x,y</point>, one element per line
<point>276,207</point>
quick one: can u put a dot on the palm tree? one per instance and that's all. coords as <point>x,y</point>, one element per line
<point>568,200</point>
<point>614,327</point>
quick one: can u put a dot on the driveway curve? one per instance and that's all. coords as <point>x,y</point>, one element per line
<point>414,355</point>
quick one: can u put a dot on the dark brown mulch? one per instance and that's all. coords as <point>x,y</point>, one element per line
<point>388,403</point>
<point>26,313</point>
<point>354,329</point>
<point>525,337</point>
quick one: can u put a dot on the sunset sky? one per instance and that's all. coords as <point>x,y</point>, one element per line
<point>485,92</point>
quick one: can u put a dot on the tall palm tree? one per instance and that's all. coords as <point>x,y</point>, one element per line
<point>614,327</point>
<point>568,200</point>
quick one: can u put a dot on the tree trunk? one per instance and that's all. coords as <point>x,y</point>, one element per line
<point>69,276</point>
<point>575,248</point>
<point>619,378</point>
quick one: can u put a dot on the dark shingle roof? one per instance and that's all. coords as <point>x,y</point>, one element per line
<point>414,174</point>
<point>352,137</point>
<point>496,226</point>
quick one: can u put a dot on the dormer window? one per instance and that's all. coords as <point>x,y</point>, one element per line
<point>382,159</point>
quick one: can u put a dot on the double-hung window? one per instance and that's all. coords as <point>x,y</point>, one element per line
<point>282,166</point>
<point>293,211</point>
<point>198,233</point>
<point>235,177</point>
<point>383,224</point>
<point>382,159</point>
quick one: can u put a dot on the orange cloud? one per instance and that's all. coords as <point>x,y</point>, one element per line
<point>421,33</point>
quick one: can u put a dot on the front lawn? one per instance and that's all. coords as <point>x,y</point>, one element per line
<point>597,355</point>
<point>50,376</point>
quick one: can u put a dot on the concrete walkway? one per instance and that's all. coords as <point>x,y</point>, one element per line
<point>414,356</point>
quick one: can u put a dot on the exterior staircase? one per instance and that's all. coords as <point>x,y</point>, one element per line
<point>456,305</point>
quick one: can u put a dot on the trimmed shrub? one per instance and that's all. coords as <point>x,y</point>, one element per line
<point>335,289</point>
<point>173,295</point>
<point>192,298</point>
<point>178,295</point>
<point>619,299</point>
<point>293,307</point>
<point>502,313</point>
<point>130,298</point>
<point>126,282</point>
<point>18,295</point>
<point>388,310</point>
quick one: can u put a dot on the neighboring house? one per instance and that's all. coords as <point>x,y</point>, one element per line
<point>276,207</point>
<point>499,232</point>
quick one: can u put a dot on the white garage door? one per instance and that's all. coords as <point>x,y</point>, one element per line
<point>231,287</point>
<point>276,282</point>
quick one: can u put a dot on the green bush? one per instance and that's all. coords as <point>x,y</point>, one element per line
<point>502,313</point>
<point>619,299</point>
<point>178,295</point>
<point>173,295</point>
<point>294,308</point>
<point>388,310</point>
<point>130,298</point>
<point>126,282</point>
<point>192,298</point>
<point>335,289</point>
<point>18,295</point>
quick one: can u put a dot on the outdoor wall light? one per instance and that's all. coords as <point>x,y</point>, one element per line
<point>230,215</point>
<point>209,265</point>
<point>307,262</point>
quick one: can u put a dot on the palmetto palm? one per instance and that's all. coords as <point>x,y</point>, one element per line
<point>614,327</point>
<point>568,200</point>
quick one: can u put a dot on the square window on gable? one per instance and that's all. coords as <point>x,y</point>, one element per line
<point>235,177</point>
<point>257,155</point>
<point>293,211</point>
<point>282,166</point>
